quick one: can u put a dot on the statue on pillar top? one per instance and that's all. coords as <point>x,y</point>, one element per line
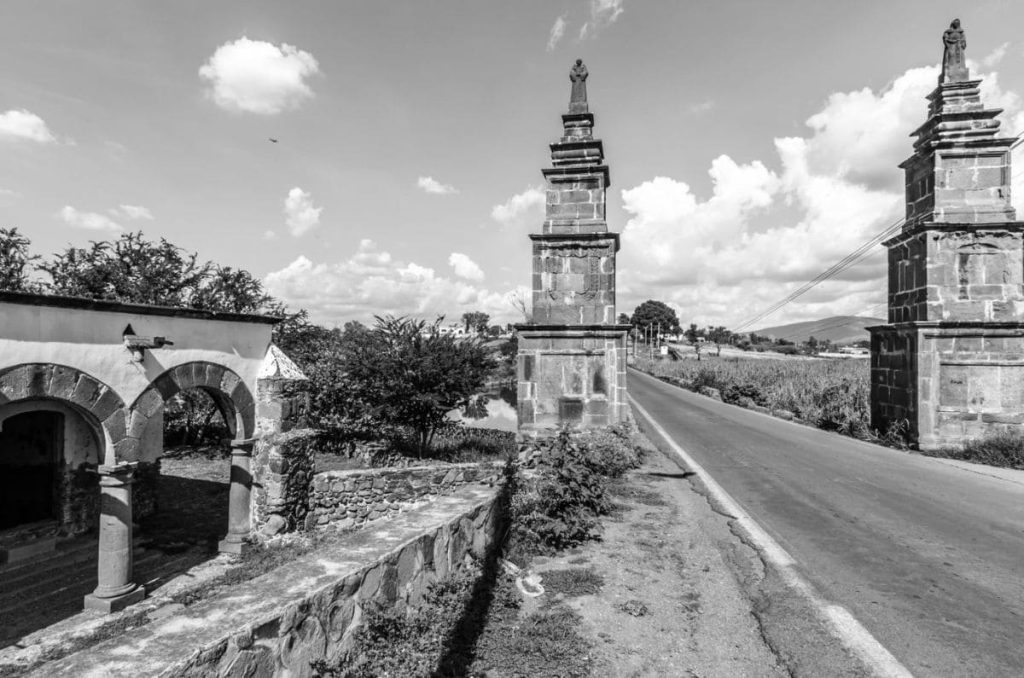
<point>578,98</point>
<point>954,66</point>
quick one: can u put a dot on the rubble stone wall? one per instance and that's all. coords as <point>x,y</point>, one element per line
<point>282,466</point>
<point>350,498</point>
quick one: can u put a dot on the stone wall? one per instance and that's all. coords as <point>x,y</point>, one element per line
<point>949,382</point>
<point>957,274</point>
<point>309,609</point>
<point>349,498</point>
<point>572,376</point>
<point>282,468</point>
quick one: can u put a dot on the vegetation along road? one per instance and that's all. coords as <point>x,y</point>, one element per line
<point>927,555</point>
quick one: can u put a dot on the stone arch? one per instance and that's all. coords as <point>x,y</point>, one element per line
<point>100,404</point>
<point>227,389</point>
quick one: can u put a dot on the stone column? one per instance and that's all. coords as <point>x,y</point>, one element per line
<point>115,589</point>
<point>239,507</point>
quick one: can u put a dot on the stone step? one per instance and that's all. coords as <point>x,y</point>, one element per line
<point>64,598</point>
<point>64,548</point>
<point>80,558</point>
<point>66,575</point>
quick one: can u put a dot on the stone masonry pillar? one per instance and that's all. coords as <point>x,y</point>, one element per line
<point>116,589</point>
<point>240,503</point>
<point>572,354</point>
<point>948,365</point>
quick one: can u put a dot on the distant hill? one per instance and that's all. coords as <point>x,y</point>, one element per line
<point>840,329</point>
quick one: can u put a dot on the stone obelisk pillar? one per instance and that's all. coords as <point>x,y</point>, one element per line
<point>572,355</point>
<point>949,365</point>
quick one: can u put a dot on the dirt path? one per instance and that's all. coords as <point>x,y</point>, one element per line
<point>667,601</point>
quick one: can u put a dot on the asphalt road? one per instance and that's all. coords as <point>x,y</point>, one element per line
<point>928,556</point>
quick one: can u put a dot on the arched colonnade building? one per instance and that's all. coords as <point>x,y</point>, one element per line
<point>83,385</point>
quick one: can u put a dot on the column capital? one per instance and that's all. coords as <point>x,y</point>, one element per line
<point>121,474</point>
<point>243,446</point>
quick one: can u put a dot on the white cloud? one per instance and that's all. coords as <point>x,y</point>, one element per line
<point>131,212</point>
<point>90,221</point>
<point>435,187</point>
<point>763,232</point>
<point>603,13</point>
<point>24,126</point>
<point>372,283</point>
<point>269,235</point>
<point>701,107</point>
<point>300,214</point>
<point>993,58</point>
<point>465,267</point>
<point>259,77</point>
<point>557,31</point>
<point>522,206</point>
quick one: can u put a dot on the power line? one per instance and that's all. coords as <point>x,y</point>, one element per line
<point>849,260</point>
<point>840,266</point>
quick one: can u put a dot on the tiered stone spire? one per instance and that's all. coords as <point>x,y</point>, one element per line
<point>960,171</point>
<point>572,354</point>
<point>950,363</point>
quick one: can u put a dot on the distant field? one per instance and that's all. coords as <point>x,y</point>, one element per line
<point>831,394</point>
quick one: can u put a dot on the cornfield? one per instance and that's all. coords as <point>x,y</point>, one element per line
<point>830,394</point>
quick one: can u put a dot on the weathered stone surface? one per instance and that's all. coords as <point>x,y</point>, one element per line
<point>348,498</point>
<point>946,367</point>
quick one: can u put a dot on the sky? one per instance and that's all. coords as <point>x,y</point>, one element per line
<point>751,144</point>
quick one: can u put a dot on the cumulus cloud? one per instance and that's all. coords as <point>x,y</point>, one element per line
<point>435,187</point>
<point>465,267</point>
<point>134,212</point>
<point>372,282</point>
<point>259,77</point>
<point>522,206</point>
<point>768,227</point>
<point>557,31</point>
<point>22,125</point>
<point>603,13</point>
<point>301,216</point>
<point>89,221</point>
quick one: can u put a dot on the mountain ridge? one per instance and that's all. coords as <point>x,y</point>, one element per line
<point>839,329</point>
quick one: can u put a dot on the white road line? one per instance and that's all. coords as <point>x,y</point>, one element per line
<point>844,625</point>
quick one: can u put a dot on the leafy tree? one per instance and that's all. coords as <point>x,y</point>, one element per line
<point>412,378</point>
<point>623,319</point>
<point>651,313</point>
<point>135,270</point>
<point>15,262</point>
<point>693,333</point>
<point>719,335</point>
<point>475,321</point>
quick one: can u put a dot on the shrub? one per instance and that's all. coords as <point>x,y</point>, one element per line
<point>399,642</point>
<point>562,507</point>
<point>1000,448</point>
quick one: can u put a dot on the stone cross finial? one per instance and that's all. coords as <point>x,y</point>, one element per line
<point>578,98</point>
<point>954,66</point>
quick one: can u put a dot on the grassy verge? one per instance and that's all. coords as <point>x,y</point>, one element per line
<point>475,622</point>
<point>1001,448</point>
<point>831,395</point>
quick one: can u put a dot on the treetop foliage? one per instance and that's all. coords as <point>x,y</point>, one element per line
<point>133,269</point>
<point>652,313</point>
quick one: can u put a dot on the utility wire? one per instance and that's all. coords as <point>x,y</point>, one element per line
<point>840,266</point>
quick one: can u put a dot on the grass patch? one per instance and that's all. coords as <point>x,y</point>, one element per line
<point>1001,448</point>
<point>546,644</point>
<point>572,582</point>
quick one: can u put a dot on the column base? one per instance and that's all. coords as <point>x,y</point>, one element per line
<point>232,546</point>
<point>116,603</point>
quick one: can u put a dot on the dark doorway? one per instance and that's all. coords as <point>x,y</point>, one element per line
<point>30,446</point>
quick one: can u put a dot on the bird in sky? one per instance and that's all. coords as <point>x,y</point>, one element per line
<point>273,140</point>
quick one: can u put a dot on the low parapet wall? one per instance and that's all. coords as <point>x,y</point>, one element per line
<point>349,498</point>
<point>306,610</point>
